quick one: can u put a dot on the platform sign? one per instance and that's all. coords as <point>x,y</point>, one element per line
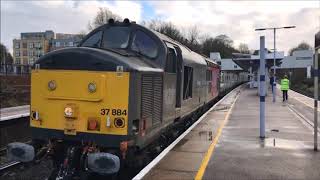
<point>309,72</point>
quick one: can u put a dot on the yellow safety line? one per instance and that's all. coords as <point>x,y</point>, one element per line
<point>208,155</point>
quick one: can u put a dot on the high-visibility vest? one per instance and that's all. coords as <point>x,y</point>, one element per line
<point>285,84</point>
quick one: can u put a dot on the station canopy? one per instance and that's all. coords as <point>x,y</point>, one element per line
<point>245,61</point>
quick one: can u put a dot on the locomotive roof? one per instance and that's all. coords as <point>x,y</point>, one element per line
<point>168,39</point>
<point>188,55</point>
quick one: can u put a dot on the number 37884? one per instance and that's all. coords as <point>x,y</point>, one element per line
<point>114,112</point>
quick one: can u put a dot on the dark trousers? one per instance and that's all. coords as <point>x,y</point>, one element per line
<point>284,95</point>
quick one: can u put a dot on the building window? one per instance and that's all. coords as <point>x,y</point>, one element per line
<point>31,61</point>
<point>24,53</point>
<point>30,53</point>
<point>71,44</point>
<point>24,61</point>
<point>17,61</point>
<point>17,53</point>
<point>38,45</point>
<point>235,66</point>
<point>17,45</point>
<point>30,45</point>
<point>187,82</point>
<point>57,44</point>
<point>24,45</point>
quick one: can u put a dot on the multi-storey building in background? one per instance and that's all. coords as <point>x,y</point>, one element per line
<point>65,40</point>
<point>33,45</point>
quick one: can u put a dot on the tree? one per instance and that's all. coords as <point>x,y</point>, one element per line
<point>193,36</point>
<point>102,17</point>
<point>6,59</point>
<point>243,48</point>
<point>301,46</point>
<point>225,40</point>
<point>221,43</point>
<point>5,56</point>
<point>191,39</point>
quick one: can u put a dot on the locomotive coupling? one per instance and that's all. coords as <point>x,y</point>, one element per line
<point>21,152</point>
<point>103,163</point>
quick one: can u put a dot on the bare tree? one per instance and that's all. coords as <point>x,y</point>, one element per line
<point>193,34</point>
<point>102,17</point>
<point>243,48</point>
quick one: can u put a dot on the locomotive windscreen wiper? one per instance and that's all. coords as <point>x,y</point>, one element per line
<point>115,50</point>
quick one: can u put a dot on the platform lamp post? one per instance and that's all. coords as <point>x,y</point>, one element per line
<point>274,55</point>
<point>316,88</point>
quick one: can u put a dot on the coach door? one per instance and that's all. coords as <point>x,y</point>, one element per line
<point>179,77</point>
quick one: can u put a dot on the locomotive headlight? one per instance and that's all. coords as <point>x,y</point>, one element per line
<point>92,87</point>
<point>52,85</point>
<point>68,112</point>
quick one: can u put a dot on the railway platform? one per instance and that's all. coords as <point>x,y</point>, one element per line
<point>14,112</point>
<point>225,144</point>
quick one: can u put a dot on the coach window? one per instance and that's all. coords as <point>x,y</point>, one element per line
<point>171,64</point>
<point>144,44</point>
<point>94,40</point>
<point>187,82</point>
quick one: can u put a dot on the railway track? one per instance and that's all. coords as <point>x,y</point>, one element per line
<point>8,165</point>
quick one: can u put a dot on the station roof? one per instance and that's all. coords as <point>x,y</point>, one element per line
<point>245,61</point>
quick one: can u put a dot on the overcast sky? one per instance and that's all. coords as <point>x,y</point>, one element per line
<point>237,19</point>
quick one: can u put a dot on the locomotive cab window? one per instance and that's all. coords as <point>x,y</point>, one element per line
<point>171,64</point>
<point>116,37</point>
<point>187,82</point>
<point>94,40</point>
<point>144,44</point>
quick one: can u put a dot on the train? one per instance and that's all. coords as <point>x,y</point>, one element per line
<point>124,89</point>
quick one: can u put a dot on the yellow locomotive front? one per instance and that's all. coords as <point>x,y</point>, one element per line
<point>79,104</point>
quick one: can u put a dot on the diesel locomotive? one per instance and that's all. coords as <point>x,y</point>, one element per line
<point>97,105</point>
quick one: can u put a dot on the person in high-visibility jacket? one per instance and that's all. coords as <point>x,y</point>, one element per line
<point>285,87</point>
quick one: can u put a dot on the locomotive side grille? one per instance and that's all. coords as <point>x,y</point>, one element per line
<point>151,101</point>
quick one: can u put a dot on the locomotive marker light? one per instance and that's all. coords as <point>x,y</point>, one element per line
<point>68,112</point>
<point>52,85</point>
<point>262,89</point>
<point>92,87</point>
<point>93,124</point>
